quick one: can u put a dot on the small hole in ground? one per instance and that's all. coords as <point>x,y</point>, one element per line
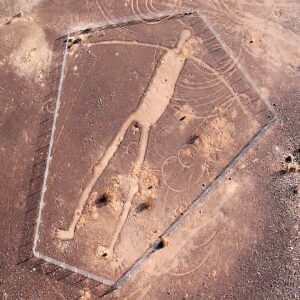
<point>102,200</point>
<point>143,206</point>
<point>182,118</point>
<point>288,159</point>
<point>77,41</point>
<point>282,172</point>
<point>88,30</point>
<point>162,244</point>
<point>71,42</point>
<point>193,139</point>
<point>148,204</point>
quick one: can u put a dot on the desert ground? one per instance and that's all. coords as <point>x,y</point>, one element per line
<point>242,241</point>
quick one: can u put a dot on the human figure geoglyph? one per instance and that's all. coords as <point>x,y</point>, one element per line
<point>150,109</point>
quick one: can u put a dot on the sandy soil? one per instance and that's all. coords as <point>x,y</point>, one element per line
<point>245,244</point>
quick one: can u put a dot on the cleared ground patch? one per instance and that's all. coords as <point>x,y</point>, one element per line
<point>151,115</point>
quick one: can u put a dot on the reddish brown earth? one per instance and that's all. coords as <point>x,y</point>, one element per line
<point>243,241</point>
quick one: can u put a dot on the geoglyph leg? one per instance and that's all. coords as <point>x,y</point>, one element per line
<point>97,171</point>
<point>134,186</point>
